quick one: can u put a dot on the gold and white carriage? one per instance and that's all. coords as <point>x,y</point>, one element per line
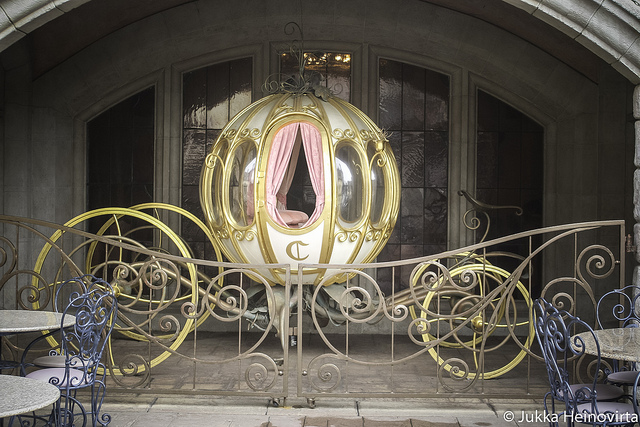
<point>251,167</point>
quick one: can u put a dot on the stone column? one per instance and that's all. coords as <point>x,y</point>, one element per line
<point>636,184</point>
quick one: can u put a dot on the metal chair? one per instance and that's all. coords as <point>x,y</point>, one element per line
<point>619,308</point>
<point>555,331</point>
<point>78,364</point>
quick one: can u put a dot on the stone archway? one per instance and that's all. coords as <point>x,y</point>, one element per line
<point>608,28</point>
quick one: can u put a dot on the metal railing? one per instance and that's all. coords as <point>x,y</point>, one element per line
<point>455,323</point>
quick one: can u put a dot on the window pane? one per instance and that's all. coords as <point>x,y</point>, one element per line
<point>194,93</point>
<point>349,185</point>
<point>509,164</point>
<point>120,159</point>
<point>241,185</point>
<point>378,192</point>
<point>390,94</point>
<point>414,109</point>
<point>211,96</point>
<point>510,169</point>
<point>333,68</point>
<point>217,95</point>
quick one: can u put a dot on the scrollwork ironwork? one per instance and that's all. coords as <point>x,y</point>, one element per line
<point>132,371</point>
<point>458,306</point>
<point>327,376</point>
<point>261,376</point>
<point>597,265</point>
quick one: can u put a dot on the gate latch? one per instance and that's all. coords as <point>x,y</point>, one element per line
<point>629,245</point>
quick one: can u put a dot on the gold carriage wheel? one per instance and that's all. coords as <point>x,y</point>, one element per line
<point>491,269</point>
<point>136,213</point>
<point>158,206</point>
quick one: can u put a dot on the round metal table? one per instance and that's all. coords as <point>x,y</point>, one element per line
<point>19,395</point>
<point>616,343</point>
<point>20,321</point>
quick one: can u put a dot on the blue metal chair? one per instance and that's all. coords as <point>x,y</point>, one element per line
<point>556,333</point>
<point>619,308</point>
<point>78,364</point>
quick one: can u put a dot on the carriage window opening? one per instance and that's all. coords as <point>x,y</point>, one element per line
<point>349,190</point>
<point>301,196</point>
<point>288,143</point>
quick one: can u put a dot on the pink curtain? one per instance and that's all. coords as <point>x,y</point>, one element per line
<point>281,195</point>
<point>280,157</point>
<point>313,150</point>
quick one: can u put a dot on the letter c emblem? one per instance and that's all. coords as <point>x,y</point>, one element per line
<point>296,246</point>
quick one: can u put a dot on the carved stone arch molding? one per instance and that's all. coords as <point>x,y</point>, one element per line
<point>609,28</point>
<point>18,18</point>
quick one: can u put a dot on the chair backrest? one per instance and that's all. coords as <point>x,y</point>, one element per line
<point>93,303</point>
<point>619,306</point>
<point>556,333</point>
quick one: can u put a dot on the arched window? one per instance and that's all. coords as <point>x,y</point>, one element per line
<point>120,159</point>
<point>509,172</point>
<point>211,96</point>
<point>414,109</point>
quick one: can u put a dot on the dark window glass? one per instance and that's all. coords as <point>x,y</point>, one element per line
<point>120,153</point>
<point>120,161</point>
<point>414,109</point>
<point>211,96</point>
<point>510,169</point>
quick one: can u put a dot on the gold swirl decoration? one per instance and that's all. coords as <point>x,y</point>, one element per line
<point>253,133</point>
<point>221,233</point>
<point>374,234</point>
<point>241,235</point>
<point>351,236</point>
<point>340,134</point>
<point>311,110</point>
<point>228,133</point>
<point>211,160</point>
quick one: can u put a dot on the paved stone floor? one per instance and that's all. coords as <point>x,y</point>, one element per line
<point>186,411</point>
<point>207,385</point>
<point>212,366</point>
<point>157,406</point>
